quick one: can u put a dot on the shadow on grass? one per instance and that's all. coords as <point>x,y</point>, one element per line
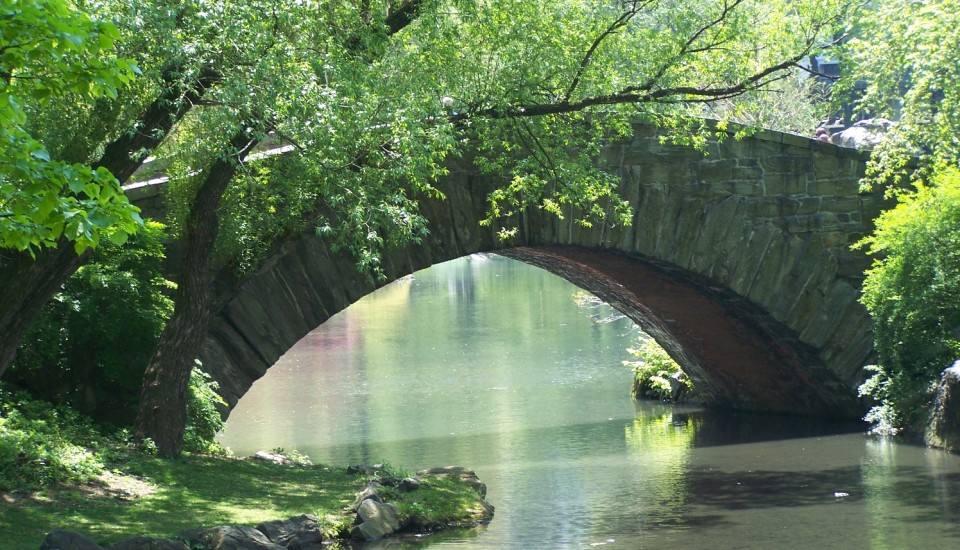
<point>188,493</point>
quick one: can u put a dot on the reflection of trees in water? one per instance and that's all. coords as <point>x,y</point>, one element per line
<point>659,442</point>
<point>917,492</point>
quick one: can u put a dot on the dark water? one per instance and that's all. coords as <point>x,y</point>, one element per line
<point>488,363</point>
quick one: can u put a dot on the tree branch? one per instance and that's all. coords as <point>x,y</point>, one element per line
<point>154,123</point>
<point>616,25</point>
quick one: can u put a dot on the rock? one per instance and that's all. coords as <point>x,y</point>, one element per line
<point>297,533</point>
<point>459,473</point>
<point>378,519</point>
<point>230,537</point>
<point>368,492</point>
<point>365,469</point>
<point>864,134</point>
<point>68,540</point>
<point>148,543</point>
<point>408,484</point>
<point>943,429</point>
<point>278,458</point>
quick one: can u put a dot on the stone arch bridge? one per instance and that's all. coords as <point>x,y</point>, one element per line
<point>738,262</point>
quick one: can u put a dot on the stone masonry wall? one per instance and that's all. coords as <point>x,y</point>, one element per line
<point>763,226</point>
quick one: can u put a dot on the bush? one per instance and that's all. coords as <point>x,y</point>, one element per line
<point>94,339</point>
<point>913,294</point>
<point>41,445</point>
<point>653,370</point>
<point>203,415</point>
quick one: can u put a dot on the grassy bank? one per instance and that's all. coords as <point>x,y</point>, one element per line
<point>103,488</point>
<point>161,498</point>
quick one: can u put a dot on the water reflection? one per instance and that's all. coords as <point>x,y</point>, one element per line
<point>488,363</point>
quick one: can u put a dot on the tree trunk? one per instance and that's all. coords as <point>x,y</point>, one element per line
<point>28,283</point>
<point>163,399</point>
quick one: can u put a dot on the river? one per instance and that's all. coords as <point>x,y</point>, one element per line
<point>488,363</point>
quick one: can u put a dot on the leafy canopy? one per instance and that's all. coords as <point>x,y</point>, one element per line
<point>912,293</point>
<point>51,51</point>
<point>903,62</point>
<point>537,87</point>
<point>905,52</point>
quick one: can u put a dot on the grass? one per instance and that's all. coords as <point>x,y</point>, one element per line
<point>58,471</point>
<point>142,495</point>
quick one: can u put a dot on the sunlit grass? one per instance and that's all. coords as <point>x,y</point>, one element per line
<point>161,498</point>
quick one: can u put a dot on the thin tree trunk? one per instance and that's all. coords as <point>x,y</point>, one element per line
<point>28,283</point>
<point>163,399</point>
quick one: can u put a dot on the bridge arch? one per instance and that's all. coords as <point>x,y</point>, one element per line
<point>738,262</point>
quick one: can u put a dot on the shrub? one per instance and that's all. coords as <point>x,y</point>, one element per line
<point>913,295</point>
<point>94,339</point>
<point>203,415</point>
<point>41,445</point>
<point>653,370</point>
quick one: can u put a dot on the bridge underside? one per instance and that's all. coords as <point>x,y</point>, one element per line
<point>737,356</point>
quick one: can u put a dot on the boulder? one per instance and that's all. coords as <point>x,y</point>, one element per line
<point>459,473</point>
<point>943,429</point>
<point>68,540</point>
<point>368,492</point>
<point>148,543</point>
<point>864,134</point>
<point>278,458</point>
<point>377,519</point>
<point>408,484</point>
<point>297,533</point>
<point>230,537</point>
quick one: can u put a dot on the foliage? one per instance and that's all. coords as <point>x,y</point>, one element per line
<point>91,344</point>
<point>203,415</point>
<point>543,85</point>
<point>903,66</point>
<point>906,54</point>
<point>41,445</point>
<point>792,105</point>
<point>653,369</point>
<point>913,294</point>
<point>49,52</point>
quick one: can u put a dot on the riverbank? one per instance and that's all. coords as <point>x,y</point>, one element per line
<point>142,495</point>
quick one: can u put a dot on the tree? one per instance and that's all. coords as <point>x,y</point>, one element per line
<point>55,62</point>
<point>912,294</point>
<point>49,50</point>
<point>374,94</point>
<point>903,66</point>
<point>905,53</point>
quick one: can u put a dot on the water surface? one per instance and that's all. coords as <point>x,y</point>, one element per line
<point>488,363</point>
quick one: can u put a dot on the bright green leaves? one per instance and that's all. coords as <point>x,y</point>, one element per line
<point>52,200</point>
<point>55,49</point>
<point>49,50</point>
<point>552,166</point>
<point>903,66</point>
<point>912,292</point>
<point>906,53</point>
